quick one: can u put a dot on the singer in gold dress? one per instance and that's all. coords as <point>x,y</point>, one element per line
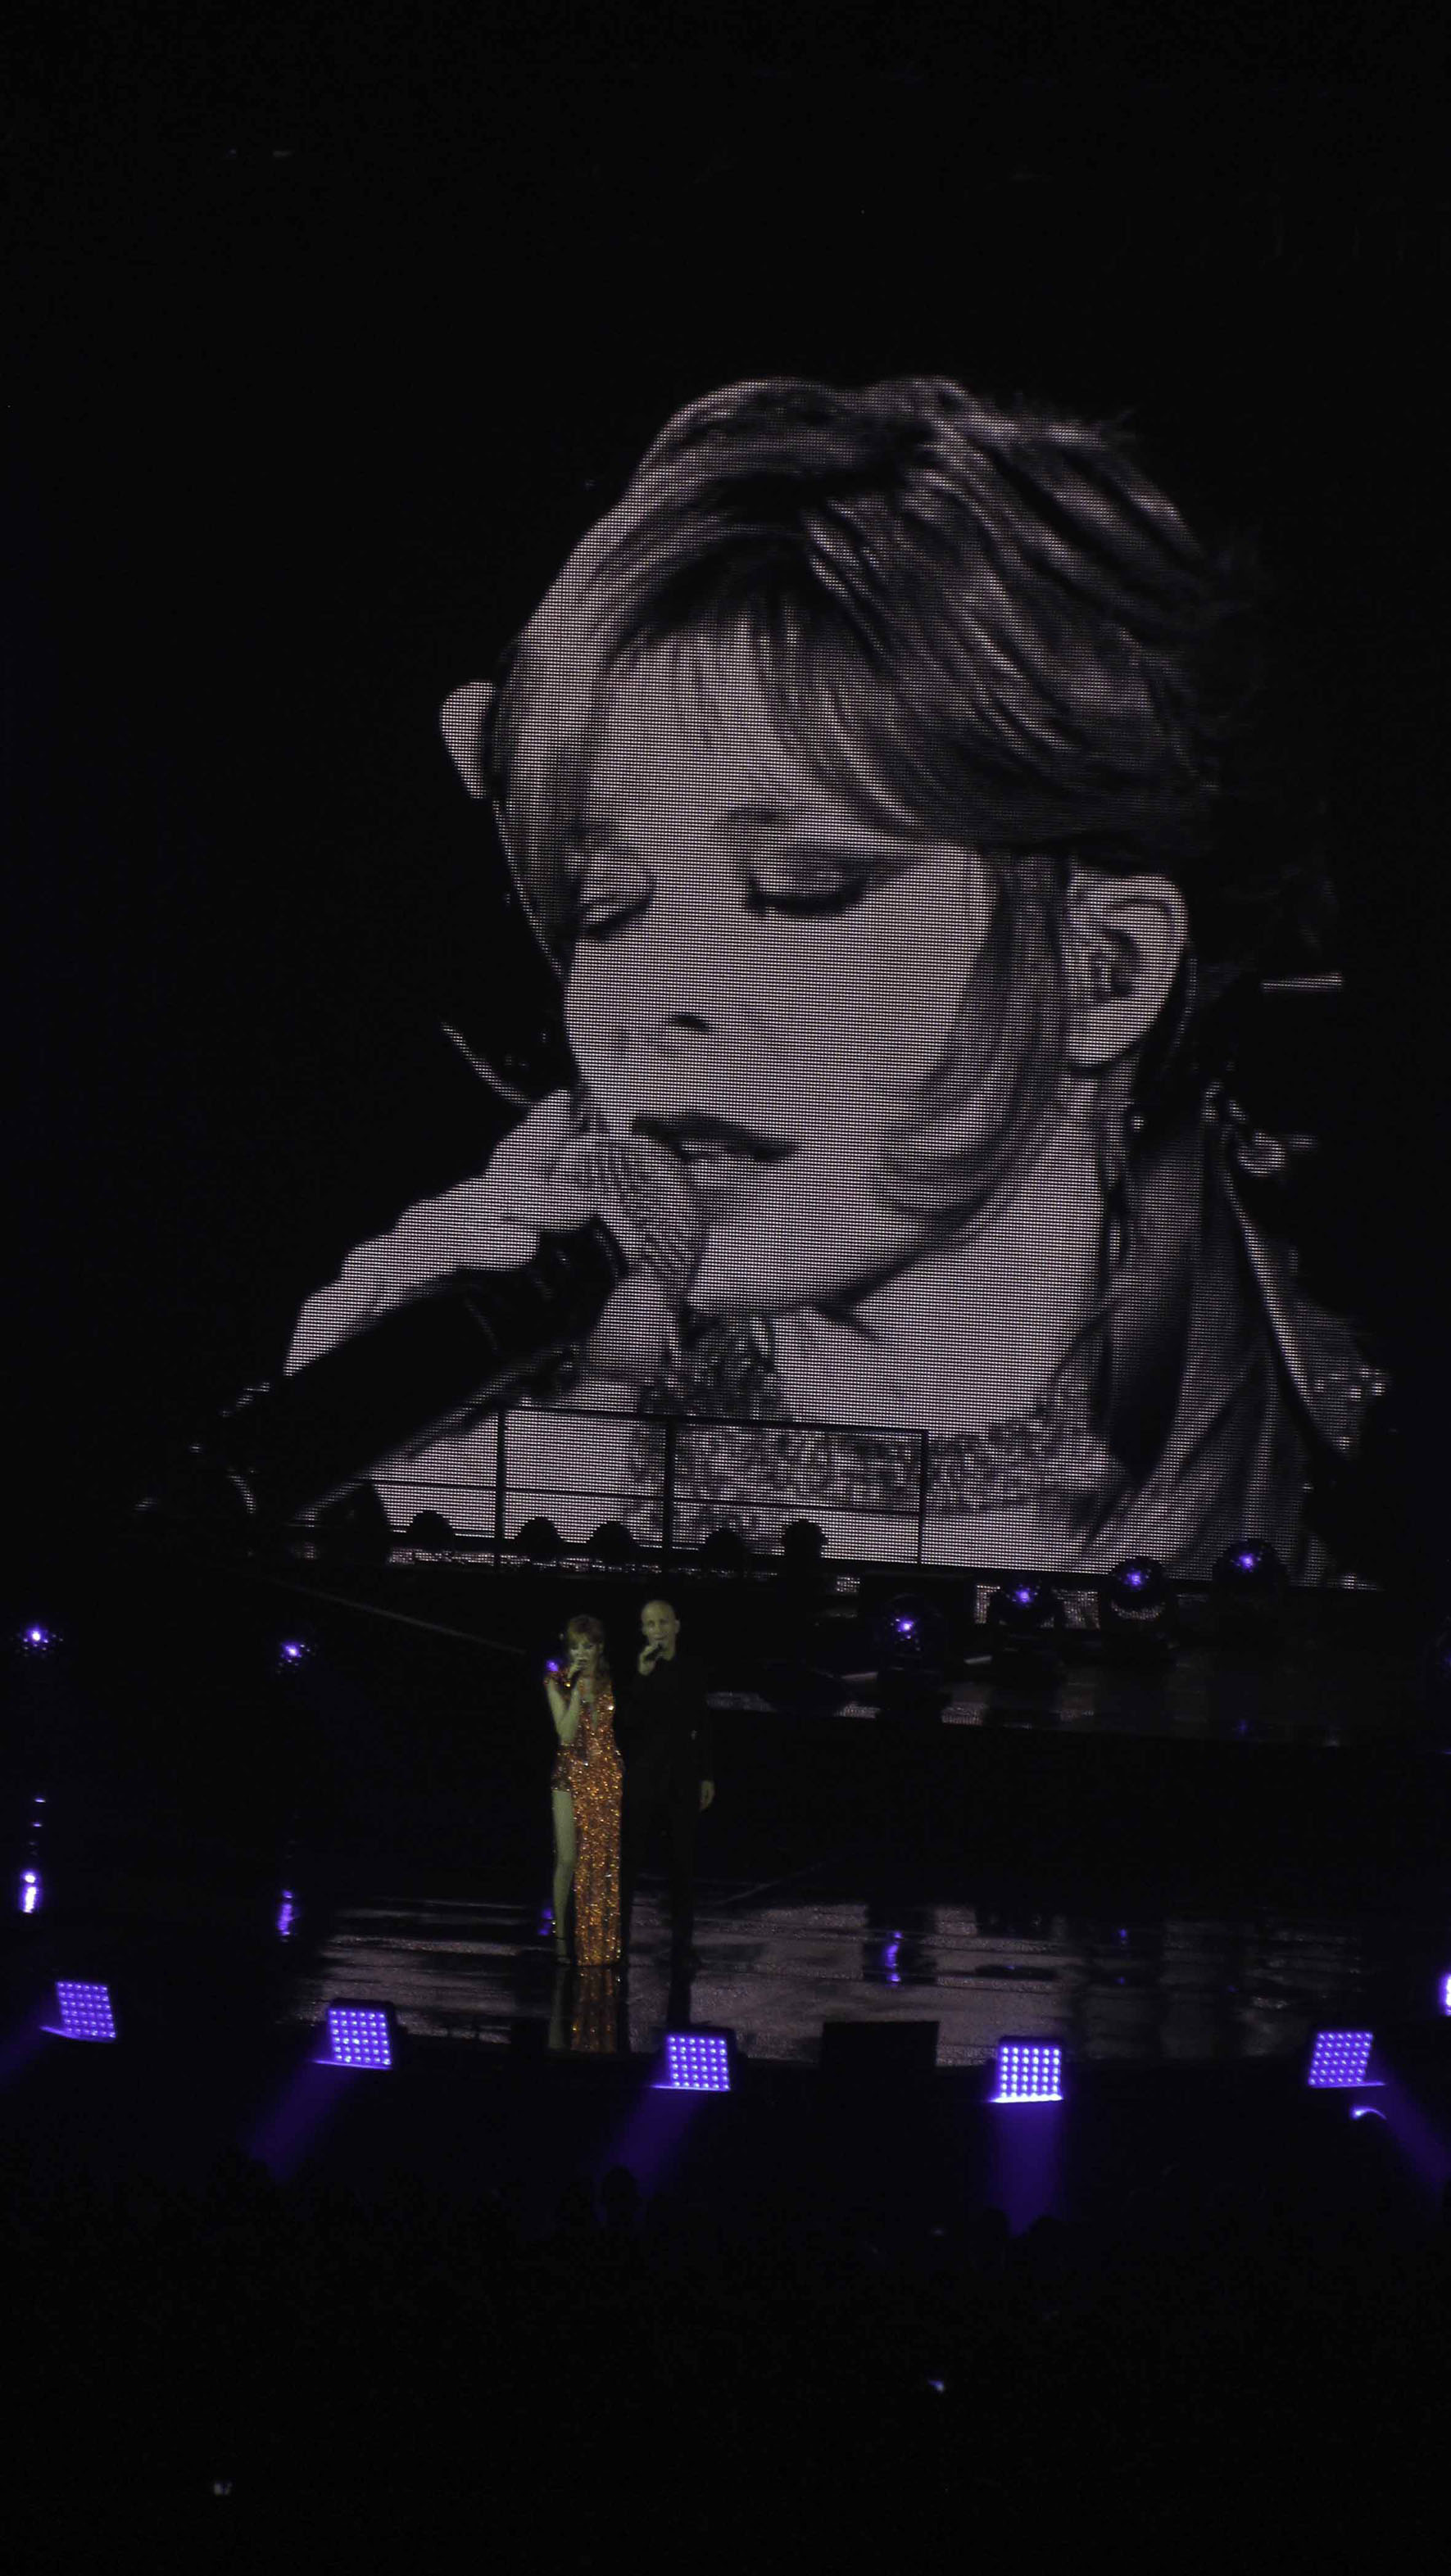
<point>586,1785</point>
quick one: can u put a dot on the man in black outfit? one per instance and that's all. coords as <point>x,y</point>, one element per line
<point>662,1728</point>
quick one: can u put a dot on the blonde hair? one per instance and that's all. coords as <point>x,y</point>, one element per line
<point>987,622</point>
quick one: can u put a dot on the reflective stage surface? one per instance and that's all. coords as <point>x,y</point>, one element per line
<point>776,1964</point>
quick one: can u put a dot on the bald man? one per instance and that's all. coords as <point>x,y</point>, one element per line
<point>662,1727</point>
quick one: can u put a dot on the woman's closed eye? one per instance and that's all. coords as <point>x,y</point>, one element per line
<point>814,885</point>
<point>612,892</point>
<point>608,896</point>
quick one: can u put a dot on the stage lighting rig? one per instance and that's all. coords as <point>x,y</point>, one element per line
<point>540,1541</point>
<point>432,1534</point>
<point>803,1545</point>
<point>614,1544</point>
<point>354,1532</point>
<point>1250,1585</point>
<point>724,1551</point>
<point>1025,1622</point>
<point>1138,1616</point>
<point>910,1647</point>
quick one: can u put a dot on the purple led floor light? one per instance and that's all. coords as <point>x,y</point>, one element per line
<point>1339,2061</point>
<point>84,2011</point>
<point>1026,2153</point>
<point>359,2035</point>
<point>1028,2070</point>
<point>695,2062</point>
<point>356,2039</point>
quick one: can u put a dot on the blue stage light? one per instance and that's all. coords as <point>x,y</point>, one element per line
<point>28,1898</point>
<point>695,2061</point>
<point>360,2036</point>
<point>292,1652</point>
<point>1028,2070</point>
<point>1249,1588</point>
<point>910,1645</point>
<point>1339,2060</point>
<point>36,1640</point>
<point>1136,1607</point>
<point>83,2009</point>
<point>910,1635</point>
<point>1025,1616</point>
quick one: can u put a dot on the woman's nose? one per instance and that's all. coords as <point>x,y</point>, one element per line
<point>653,1028</point>
<point>673,974</point>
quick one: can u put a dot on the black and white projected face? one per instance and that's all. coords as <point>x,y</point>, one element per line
<point>861,772</point>
<point>762,981</point>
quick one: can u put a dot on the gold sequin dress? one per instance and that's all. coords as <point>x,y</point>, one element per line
<point>591,1770</point>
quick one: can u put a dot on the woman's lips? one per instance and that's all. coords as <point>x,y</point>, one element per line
<point>714,1146</point>
<point>718,1152</point>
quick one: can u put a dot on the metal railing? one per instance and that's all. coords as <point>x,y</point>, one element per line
<point>664,1513</point>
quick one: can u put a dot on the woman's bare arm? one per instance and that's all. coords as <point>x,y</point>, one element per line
<point>565,1712</point>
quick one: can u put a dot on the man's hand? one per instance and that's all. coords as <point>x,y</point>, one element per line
<point>707,1792</point>
<point>649,1656</point>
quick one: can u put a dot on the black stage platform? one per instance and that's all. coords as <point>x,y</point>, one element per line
<point>1193,1865</point>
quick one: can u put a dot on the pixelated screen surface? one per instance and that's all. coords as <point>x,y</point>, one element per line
<point>896,951</point>
<point>814,732</point>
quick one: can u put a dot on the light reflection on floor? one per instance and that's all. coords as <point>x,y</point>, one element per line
<point>1169,1991</point>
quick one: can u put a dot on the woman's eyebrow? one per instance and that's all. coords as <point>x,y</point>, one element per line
<point>751,822</point>
<point>815,827</point>
<point>741,822</point>
<point>741,825</point>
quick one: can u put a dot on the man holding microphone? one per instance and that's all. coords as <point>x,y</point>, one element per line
<point>663,1731</point>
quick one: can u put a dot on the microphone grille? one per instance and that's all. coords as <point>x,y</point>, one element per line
<point>648,1203</point>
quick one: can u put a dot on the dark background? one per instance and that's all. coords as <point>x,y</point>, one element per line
<point>323,350</point>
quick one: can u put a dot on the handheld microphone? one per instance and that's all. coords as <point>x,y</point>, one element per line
<point>462,1348</point>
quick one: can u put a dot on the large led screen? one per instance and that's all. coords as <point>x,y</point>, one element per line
<point>882,779</point>
<point>835,669</point>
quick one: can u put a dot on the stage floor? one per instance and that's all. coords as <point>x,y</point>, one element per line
<point>779,1961</point>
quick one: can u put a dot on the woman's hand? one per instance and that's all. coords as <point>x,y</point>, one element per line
<point>491,1222</point>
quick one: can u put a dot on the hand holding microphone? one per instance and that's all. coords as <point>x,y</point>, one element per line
<point>568,1241</point>
<point>544,1177</point>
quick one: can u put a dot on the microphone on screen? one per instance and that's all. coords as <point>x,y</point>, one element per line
<point>467,1346</point>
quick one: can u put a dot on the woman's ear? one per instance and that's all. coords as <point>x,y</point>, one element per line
<point>1124,939</point>
<point>461,723</point>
